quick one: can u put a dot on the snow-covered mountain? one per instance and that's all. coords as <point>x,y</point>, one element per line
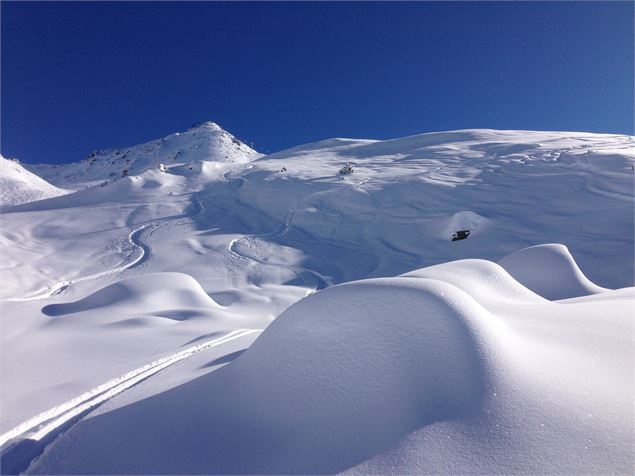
<point>203,141</point>
<point>18,185</point>
<point>465,319</point>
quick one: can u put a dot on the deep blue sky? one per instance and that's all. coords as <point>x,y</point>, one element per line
<point>83,76</point>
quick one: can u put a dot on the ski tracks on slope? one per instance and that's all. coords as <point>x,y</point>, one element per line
<point>139,248</point>
<point>252,242</point>
<point>51,423</point>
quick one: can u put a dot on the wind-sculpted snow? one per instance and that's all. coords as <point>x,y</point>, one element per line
<point>339,376</point>
<point>149,293</point>
<point>550,271</point>
<point>415,374</point>
<point>488,282</point>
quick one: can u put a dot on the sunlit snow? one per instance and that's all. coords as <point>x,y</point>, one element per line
<point>455,302</point>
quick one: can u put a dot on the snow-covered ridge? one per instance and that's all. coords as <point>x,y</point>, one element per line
<point>205,141</point>
<point>18,185</point>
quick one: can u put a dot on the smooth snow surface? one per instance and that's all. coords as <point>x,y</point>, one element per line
<point>392,375</point>
<point>462,365</point>
<point>18,185</point>
<point>549,270</point>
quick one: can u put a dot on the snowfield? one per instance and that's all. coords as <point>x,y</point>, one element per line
<point>462,302</point>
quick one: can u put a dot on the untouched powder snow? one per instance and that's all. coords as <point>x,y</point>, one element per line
<point>148,294</point>
<point>18,185</point>
<point>414,374</point>
<point>549,270</point>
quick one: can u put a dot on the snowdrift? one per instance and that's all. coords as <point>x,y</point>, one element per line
<point>337,377</point>
<point>486,281</point>
<point>147,294</point>
<point>414,374</point>
<point>549,270</point>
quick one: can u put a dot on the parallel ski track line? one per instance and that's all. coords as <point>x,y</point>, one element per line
<point>47,422</point>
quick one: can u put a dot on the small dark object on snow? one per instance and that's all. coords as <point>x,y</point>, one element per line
<point>460,235</point>
<point>347,169</point>
<point>124,173</point>
<point>283,169</point>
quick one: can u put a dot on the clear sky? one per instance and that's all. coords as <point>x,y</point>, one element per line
<point>83,76</point>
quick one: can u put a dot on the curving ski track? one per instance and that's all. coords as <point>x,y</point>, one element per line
<point>321,281</point>
<point>139,248</point>
<point>26,441</point>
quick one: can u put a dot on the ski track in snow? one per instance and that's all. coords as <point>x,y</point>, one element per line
<point>57,288</point>
<point>46,423</point>
<point>134,239</point>
<point>321,281</point>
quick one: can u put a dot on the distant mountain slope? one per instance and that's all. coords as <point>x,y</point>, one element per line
<point>293,218</point>
<point>18,185</point>
<point>204,141</point>
<point>408,198</point>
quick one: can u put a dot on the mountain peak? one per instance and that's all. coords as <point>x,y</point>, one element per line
<point>207,125</point>
<point>203,141</point>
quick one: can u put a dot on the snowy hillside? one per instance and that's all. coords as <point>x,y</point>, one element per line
<point>406,199</point>
<point>466,318</point>
<point>18,185</point>
<point>203,141</point>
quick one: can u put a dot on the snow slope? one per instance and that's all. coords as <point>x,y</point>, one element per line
<point>203,141</point>
<point>398,211</point>
<point>406,198</point>
<point>414,374</point>
<point>18,185</point>
<point>111,279</point>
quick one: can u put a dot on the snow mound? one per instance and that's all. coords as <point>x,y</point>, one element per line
<point>550,271</point>
<point>340,375</point>
<point>463,220</point>
<point>391,376</point>
<point>487,282</point>
<point>145,294</point>
<point>18,185</point>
